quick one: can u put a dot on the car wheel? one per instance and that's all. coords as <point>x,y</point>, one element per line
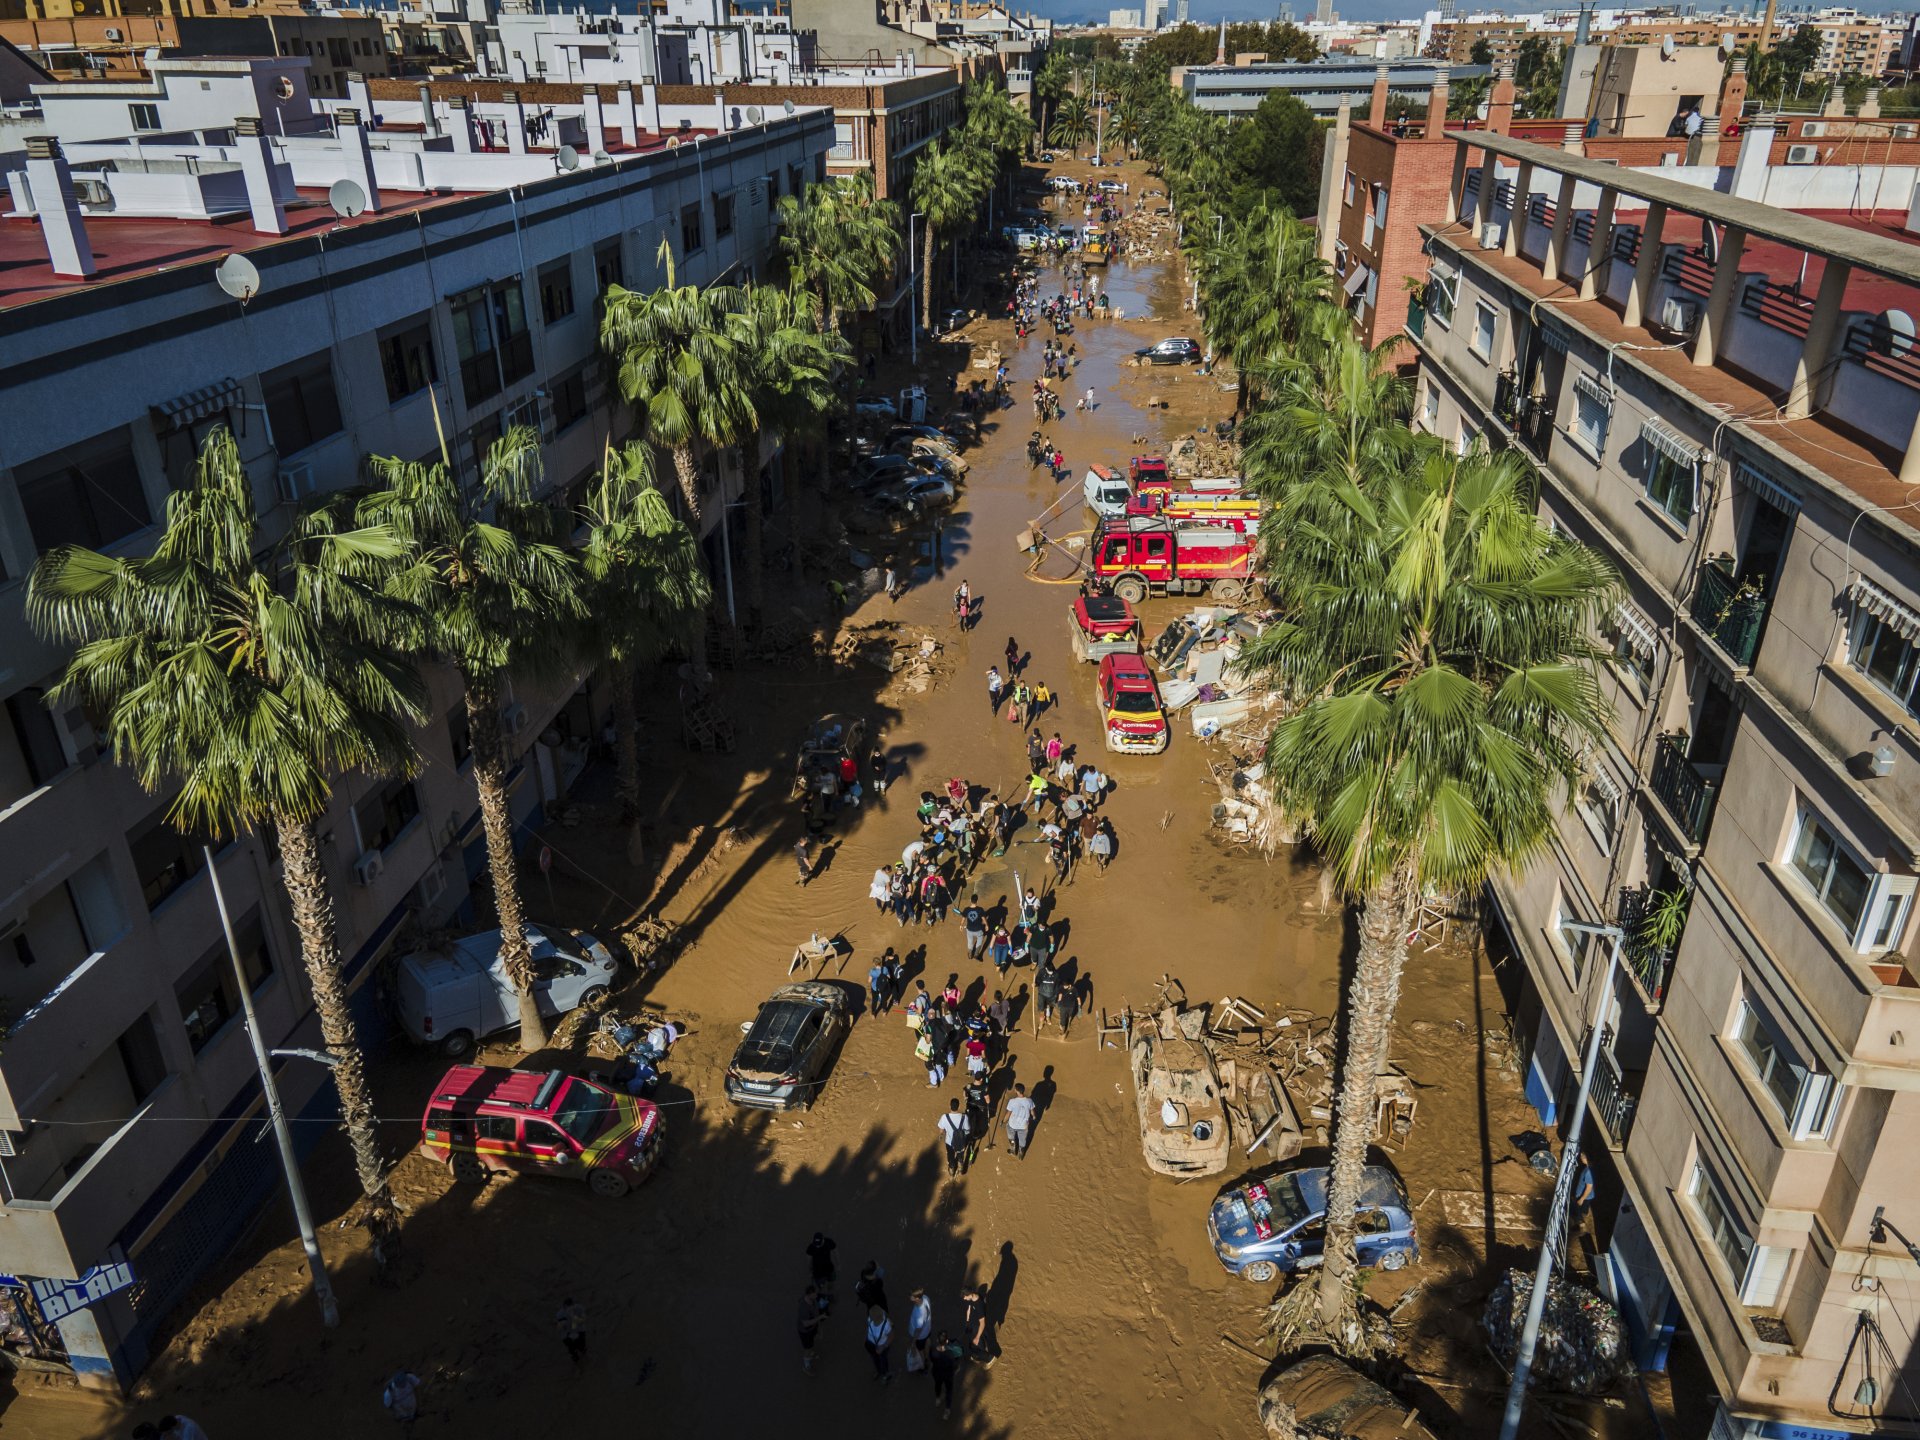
<point>594,995</point>
<point>468,1170</point>
<point>1260,1272</point>
<point>610,1183</point>
<point>1228,590</point>
<point>458,1045</point>
<point>1131,591</point>
<point>1394,1260</point>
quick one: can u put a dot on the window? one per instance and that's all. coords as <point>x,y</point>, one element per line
<point>490,337</point>
<point>406,358</point>
<point>1806,1098</point>
<point>1871,908</point>
<point>1723,1227</point>
<point>498,1127</point>
<point>180,446</point>
<point>1888,658</point>
<point>692,240</point>
<point>556,291</point>
<point>1574,942</point>
<point>39,737</point>
<point>1670,485</point>
<point>302,406</point>
<point>608,267</point>
<point>208,997</point>
<point>1484,322</point>
<point>1592,410</point>
<point>1600,802</point>
<point>1351,189</point>
<point>569,399</point>
<point>383,816</point>
<point>144,117</point>
<point>1431,409</point>
<point>1463,441</point>
<point>722,216</point>
<point>140,1055</point>
<point>1635,644</point>
<point>165,859</point>
<point>842,141</point>
<point>1442,290</point>
<point>460,734</point>
<point>88,495</point>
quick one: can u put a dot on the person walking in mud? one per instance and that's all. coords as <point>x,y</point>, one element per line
<point>974,918</point>
<point>943,1364</point>
<point>1018,1114</point>
<point>809,1325</point>
<point>879,1340</point>
<point>973,1327</point>
<point>953,1134</point>
<point>1013,656</point>
<point>994,686</point>
<point>820,1264</point>
<point>571,1323</point>
<point>802,858</point>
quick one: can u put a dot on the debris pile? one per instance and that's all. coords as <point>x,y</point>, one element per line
<point>914,656</point>
<point>1202,456</point>
<point>1197,656</point>
<point>1583,1345</point>
<point>1246,812</point>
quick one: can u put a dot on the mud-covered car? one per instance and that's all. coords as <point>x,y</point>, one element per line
<point>1274,1222</point>
<point>1325,1398</point>
<point>783,1059</point>
<point>1183,1113</point>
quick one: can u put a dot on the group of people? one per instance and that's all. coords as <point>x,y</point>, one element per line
<point>934,1352</point>
<point>1058,359</point>
<point>1042,451</point>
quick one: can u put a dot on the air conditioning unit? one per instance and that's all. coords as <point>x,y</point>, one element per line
<point>1803,154</point>
<point>1813,128</point>
<point>1905,132</point>
<point>367,868</point>
<point>513,719</point>
<point>115,35</point>
<point>431,887</point>
<point>1490,235</point>
<point>295,482</point>
<point>93,192</point>
<point>1678,315</point>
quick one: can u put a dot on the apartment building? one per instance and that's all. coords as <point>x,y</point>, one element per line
<point>1721,394</point>
<point>459,300</point>
<point>1323,86</point>
<point>115,48</point>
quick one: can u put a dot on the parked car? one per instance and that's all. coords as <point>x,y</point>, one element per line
<point>1112,187</point>
<point>483,1119</point>
<point>925,442</point>
<point>1184,1129</point>
<point>1130,709</point>
<point>1105,491</point>
<point>934,458</point>
<point>872,406</point>
<point>1273,1222</point>
<point>878,470</point>
<point>782,1062</point>
<point>950,321</point>
<point>1176,350</point>
<point>932,492</point>
<point>454,996</point>
<point>932,433</point>
<point>1324,1398</point>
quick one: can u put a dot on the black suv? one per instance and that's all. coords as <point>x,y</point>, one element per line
<point>782,1062</point>
<point>1177,351</point>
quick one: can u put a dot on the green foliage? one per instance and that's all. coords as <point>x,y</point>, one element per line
<point>839,243</point>
<point>1180,45</point>
<point>1276,156</point>
<point>1073,123</point>
<point>1481,53</point>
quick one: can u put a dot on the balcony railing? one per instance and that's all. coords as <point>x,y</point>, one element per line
<point>1650,964</point>
<point>1534,426</point>
<point>1688,795</point>
<point>1730,613</point>
<point>1611,1099</point>
<point>1416,325</point>
<point>1506,399</point>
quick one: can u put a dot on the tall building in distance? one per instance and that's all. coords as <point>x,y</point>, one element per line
<point>1180,11</point>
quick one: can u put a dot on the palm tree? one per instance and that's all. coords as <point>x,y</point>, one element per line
<point>1335,416</point>
<point>789,381</point>
<point>839,243</point>
<point>242,672</point>
<point>492,588</point>
<point>678,361</point>
<point>1436,642</point>
<point>1267,291</point>
<point>997,129</point>
<point>944,192</point>
<point>642,591</point>
<point>1072,122</point>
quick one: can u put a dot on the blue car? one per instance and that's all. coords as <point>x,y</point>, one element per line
<point>1273,1222</point>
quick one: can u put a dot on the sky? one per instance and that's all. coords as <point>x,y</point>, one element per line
<point>1210,12</point>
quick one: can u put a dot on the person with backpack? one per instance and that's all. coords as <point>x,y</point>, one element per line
<point>943,1364</point>
<point>953,1134</point>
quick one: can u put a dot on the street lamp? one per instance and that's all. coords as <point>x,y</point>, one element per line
<point>289,1163</point>
<point>1562,1185</point>
<point>913,285</point>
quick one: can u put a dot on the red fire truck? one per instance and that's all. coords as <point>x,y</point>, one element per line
<point>1148,555</point>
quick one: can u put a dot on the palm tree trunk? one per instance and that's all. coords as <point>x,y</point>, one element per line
<point>626,738</point>
<point>688,471</point>
<point>926,279</point>
<point>306,883</point>
<point>496,822</point>
<point>754,541</point>
<point>1372,997</point>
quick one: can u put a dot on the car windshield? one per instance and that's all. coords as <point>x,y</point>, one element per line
<point>1283,1195</point>
<point>585,1111</point>
<point>1135,702</point>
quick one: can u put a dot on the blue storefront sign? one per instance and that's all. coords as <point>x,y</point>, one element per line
<point>58,1299</point>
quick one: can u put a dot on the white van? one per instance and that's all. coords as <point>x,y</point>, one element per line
<point>454,997</point>
<point>1106,492</point>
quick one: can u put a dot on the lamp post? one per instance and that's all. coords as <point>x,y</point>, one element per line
<point>913,286</point>
<point>283,1136</point>
<point>1562,1186</point>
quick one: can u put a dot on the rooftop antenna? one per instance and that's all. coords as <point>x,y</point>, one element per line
<point>347,199</point>
<point>237,276</point>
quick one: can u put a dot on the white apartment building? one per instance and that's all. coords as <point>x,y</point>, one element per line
<point>1720,395</point>
<point>462,297</point>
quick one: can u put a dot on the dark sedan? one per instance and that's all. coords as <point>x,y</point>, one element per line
<point>782,1061</point>
<point>1175,351</point>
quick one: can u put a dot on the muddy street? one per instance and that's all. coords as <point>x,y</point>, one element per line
<point>1107,1307</point>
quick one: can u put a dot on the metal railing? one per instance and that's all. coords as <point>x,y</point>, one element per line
<point>1650,965</point>
<point>1534,426</point>
<point>1688,795</point>
<point>1611,1099</point>
<point>1416,324</point>
<point>1733,616</point>
<point>1506,398</point>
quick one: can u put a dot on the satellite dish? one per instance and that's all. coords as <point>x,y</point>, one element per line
<point>1728,45</point>
<point>1893,333</point>
<point>1666,47</point>
<point>347,199</point>
<point>787,105</point>
<point>673,142</point>
<point>283,87</point>
<point>237,276</point>
<point>601,157</point>
<point>149,55</point>
<point>1480,111</point>
<point>567,158</point>
<point>755,114</point>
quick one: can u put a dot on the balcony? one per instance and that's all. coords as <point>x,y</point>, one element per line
<point>1416,322</point>
<point>1506,400</point>
<point>1731,613</point>
<point>1533,427</point>
<point>1612,1101</point>
<point>1680,785</point>
<point>1650,939</point>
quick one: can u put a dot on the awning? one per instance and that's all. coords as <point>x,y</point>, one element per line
<point>1669,442</point>
<point>1768,489</point>
<point>1357,279</point>
<point>1896,614</point>
<point>196,405</point>
<point>1637,626</point>
<point>1555,340</point>
<point>1594,389</point>
<point>1605,784</point>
